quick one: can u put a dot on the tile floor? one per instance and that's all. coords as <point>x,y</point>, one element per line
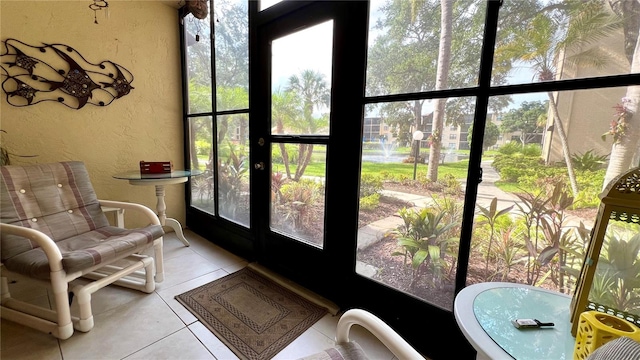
<point>134,325</point>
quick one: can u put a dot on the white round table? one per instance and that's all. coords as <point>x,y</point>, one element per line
<point>484,313</point>
<point>159,181</point>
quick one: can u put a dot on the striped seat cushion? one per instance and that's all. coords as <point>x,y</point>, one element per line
<point>58,200</point>
<point>348,351</point>
<point>86,250</point>
<point>622,348</point>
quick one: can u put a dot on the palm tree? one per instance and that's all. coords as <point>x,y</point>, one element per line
<point>442,77</point>
<point>628,143</point>
<point>539,45</point>
<point>314,93</point>
<point>283,113</point>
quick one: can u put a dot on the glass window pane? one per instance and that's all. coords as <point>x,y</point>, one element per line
<point>298,191</point>
<point>201,153</point>
<point>301,81</point>
<point>198,62</point>
<point>537,230</point>
<point>409,226</point>
<point>231,54</point>
<point>404,38</point>
<point>615,283</point>
<point>233,168</point>
<point>529,39</point>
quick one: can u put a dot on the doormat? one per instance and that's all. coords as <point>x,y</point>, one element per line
<point>251,314</point>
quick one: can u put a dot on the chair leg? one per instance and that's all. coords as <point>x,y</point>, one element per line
<point>83,292</point>
<point>159,260</point>
<point>56,322</point>
<point>60,289</point>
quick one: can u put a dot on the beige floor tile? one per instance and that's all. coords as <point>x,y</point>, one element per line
<point>370,344</point>
<point>25,289</point>
<point>168,295</point>
<point>18,342</point>
<point>211,342</point>
<point>214,253</point>
<point>107,298</point>
<point>180,345</point>
<point>327,325</point>
<point>310,342</point>
<point>133,325</point>
<point>184,268</point>
<point>124,330</point>
<point>172,247</point>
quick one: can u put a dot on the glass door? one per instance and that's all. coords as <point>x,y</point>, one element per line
<point>299,100</point>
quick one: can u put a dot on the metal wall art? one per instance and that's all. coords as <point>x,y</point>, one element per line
<point>99,5</point>
<point>57,72</point>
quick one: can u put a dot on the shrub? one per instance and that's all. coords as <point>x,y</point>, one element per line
<point>370,185</point>
<point>509,148</point>
<point>369,202</point>
<point>203,147</point>
<point>531,150</point>
<point>588,160</point>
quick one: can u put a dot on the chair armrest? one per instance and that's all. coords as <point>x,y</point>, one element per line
<point>389,337</point>
<point>132,206</point>
<point>45,242</point>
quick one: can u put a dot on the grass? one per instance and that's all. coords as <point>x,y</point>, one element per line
<point>457,169</point>
<point>509,187</point>
<point>317,167</point>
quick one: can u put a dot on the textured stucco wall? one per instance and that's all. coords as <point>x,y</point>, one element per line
<point>146,124</point>
<point>587,114</point>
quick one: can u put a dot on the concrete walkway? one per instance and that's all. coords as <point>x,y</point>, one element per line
<point>487,190</point>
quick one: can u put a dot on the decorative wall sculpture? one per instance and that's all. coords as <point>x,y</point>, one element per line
<point>57,72</point>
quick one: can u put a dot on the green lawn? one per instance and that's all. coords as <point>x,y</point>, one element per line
<point>457,169</point>
<point>317,167</point>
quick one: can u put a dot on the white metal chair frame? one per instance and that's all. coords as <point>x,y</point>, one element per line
<point>389,337</point>
<point>138,275</point>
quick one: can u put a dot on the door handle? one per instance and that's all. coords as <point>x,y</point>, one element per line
<point>259,165</point>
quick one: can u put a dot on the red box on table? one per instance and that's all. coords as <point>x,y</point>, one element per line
<point>155,167</point>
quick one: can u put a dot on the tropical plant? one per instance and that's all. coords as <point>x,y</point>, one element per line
<point>508,250</point>
<point>421,240</point>
<point>618,274</point>
<point>490,215</point>
<point>556,237</point>
<point>589,160</point>
<point>532,207</point>
<point>230,181</point>
<point>297,200</point>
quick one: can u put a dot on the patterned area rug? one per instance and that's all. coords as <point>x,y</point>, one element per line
<point>253,315</point>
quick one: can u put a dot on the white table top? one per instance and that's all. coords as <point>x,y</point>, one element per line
<point>484,313</point>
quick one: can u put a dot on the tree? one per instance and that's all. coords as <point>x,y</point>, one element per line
<point>491,134</point>
<point>627,144</point>
<point>404,59</point>
<point>283,114</point>
<point>525,119</point>
<point>543,43</point>
<point>313,93</point>
<point>442,79</point>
